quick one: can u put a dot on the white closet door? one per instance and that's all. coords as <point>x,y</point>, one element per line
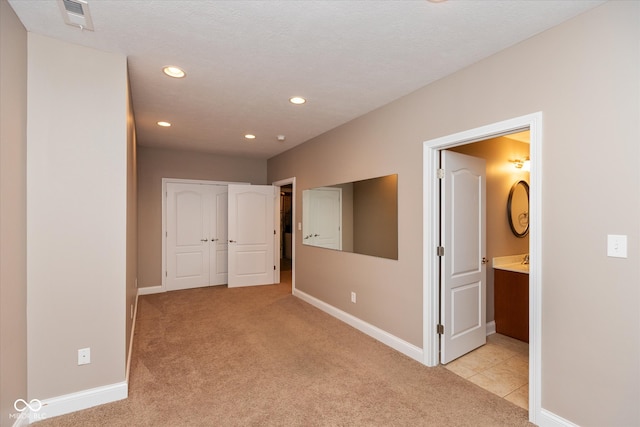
<point>187,236</point>
<point>251,235</point>
<point>218,237</point>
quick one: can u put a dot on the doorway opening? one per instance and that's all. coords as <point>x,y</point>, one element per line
<point>499,363</point>
<point>287,230</point>
<point>431,230</point>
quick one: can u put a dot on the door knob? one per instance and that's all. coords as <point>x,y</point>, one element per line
<point>232,241</point>
<point>204,240</point>
<point>485,260</point>
<point>214,240</point>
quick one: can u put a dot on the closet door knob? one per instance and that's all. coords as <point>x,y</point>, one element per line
<point>204,240</point>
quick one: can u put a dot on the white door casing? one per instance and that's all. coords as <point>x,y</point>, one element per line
<point>431,229</point>
<point>463,272</point>
<point>252,234</point>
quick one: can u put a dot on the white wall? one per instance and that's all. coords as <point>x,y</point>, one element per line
<point>76,216</point>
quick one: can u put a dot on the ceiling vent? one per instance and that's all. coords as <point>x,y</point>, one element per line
<point>76,13</point>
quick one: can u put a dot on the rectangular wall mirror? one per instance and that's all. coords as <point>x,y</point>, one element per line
<point>359,217</point>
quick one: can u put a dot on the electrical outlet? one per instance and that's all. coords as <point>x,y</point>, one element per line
<point>353,297</point>
<point>84,356</point>
<point>132,311</point>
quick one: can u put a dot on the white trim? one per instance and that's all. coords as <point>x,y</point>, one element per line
<point>491,327</point>
<point>81,400</point>
<point>133,330</point>
<point>165,181</point>
<point>294,227</point>
<point>431,307</point>
<point>151,290</point>
<point>384,337</point>
<point>23,419</point>
<point>549,419</point>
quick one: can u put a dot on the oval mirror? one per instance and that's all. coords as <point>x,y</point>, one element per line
<point>518,208</point>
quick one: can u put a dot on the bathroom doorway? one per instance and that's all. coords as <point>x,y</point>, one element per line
<point>432,148</point>
<point>500,364</point>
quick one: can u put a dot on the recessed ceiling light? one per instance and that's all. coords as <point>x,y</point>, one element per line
<point>250,136</point>
<point>173,71</point>
<point>164,124</point>
<point>298,100</point>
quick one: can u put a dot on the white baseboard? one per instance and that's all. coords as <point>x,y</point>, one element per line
<point>133,329</point>
<point>384,337</point>
<point>150,290</point>
<point>549,419</point>
<point>22,420</point>
<point>491,327</point>
<point>81,400</point>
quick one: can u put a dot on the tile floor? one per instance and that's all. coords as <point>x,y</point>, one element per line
<point>501,366</point>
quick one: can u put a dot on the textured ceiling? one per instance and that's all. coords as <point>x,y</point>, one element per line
<point>244,59</point>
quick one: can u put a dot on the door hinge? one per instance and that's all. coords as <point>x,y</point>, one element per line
<point>165,273</point>
<point>440,173</point>
<point>166,234</point>
<point>440,250</point>
<point>274,268</point>
<point>440,329</point>
<point>274,232</point>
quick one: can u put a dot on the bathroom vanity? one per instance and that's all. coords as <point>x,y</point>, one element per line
<point>511,296</point>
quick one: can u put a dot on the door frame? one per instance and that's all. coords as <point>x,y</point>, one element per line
<point>431,205</point>
<point>165,181</point>
<point>294,228</point>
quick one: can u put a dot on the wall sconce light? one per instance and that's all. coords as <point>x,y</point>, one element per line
<point>524,164</point>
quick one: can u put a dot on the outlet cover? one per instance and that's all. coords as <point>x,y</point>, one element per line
<point>84,356</point>
<point>353,297</point>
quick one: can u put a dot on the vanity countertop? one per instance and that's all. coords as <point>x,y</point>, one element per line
<point>511,263</point>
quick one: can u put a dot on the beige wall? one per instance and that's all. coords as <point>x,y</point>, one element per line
<point>501,175</point>
<point>76,216</point>
<point>132,219</point>
<point>13,212</point>
<point>583,76</point>
<point>155,164</point>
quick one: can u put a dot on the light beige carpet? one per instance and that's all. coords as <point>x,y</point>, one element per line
<point>261,357</point>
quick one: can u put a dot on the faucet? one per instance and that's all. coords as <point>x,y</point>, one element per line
<point>526,259</point>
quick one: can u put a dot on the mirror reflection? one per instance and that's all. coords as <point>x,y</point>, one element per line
<point>359,217</point>
<point>518,208</point>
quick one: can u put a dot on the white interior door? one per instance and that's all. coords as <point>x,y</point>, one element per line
<point>187,236</point>
<point>218,242</point>
<point>252,234</point>
<point>462,269</point>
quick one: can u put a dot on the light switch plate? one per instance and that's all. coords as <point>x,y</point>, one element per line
<point>617,246</point>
